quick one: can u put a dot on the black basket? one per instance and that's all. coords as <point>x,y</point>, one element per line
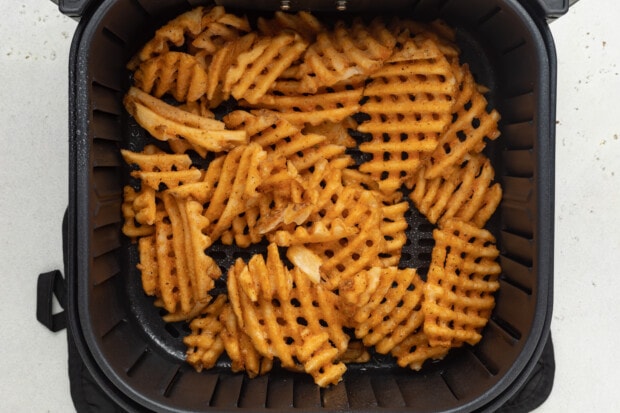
<point>138,360</point>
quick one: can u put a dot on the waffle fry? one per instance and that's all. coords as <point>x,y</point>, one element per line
<point>438,31</point>
<point>414,350</point>
<point>349,255</point>
<point>292,328</point>
<point>302,22</point>
<point>239,347</point>
<point>461,280</point>
<point>345,53</point>
<point>329,104</point>
<point>239,177</point>
<point>254,70</point>
<point>393,227</point>
<point>172,34</point>
<point>409,102</point>
<point>164,122</point>
<point>219,28</point>
<point>192,268</point>
<point>384,305</point>
<point>137,210</point>
<point>205,344</point>
<point>176,73</point>
<point>282,139</point>
<point>467,133</point>
<point>468,193</point>
<point>336,133</point>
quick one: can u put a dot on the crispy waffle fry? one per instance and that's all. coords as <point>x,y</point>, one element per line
<point>467,132</point>
<point>205,344</point>
<point>438,31</point>
<point>172,34</point>
<point>302,22</point>
<point>468,193</point>
<point>164,121</point>
<point>239,178</point>
<point>393,227</point>
<point>137,210</point>
<point>219,28</point>
<point>345,257</point>
<point>409,102</point>
<point>462,278</point>
<point>221,62</point>
<point>151,159</point>
<point>255,70</point>
<point>192,290</point>
<point>335,132</point>
<point>414,350</point>
<point>345,53</point>
<point>384,305</point>
<point>176,73</point>
<point>239,347</point>
<point>303,329</point>
<point>282,139</point>
<point>329,104</point>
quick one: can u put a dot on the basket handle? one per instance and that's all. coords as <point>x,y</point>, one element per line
<point>553,9</point>
<point>72,8</point>
<point>49,285</point>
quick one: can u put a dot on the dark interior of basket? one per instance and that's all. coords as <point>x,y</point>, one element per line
<point>144,357</point>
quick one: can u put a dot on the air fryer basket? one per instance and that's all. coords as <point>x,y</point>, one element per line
<point>139,361</point>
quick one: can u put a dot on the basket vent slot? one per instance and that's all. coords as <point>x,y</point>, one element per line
<point>226,393</point>
<point>280,392</point>
<point>488,16</point>
<point>131,370</point>
<point>506,327</point>
<point>254,392</point>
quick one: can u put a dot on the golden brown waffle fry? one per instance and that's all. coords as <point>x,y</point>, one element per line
<point>409,102</point>
<point>345,53</point>
<point>240,176</point>
<point>170,179</point>
<point>384,305</point>
<point>302,22</point>
<point>303,329</point>
<point>463,275</point>
<point>152,159</point>
<point>164,121</point>
<point>205,344</point>
<point>187,259</point>
<point>393,227</point>
<point>239,347</point>
<point>438,31</point>
<point>221,62</point>
<point>414,350</point>
<point>347,256</point>
<point>355,353</point>
<point>137,210</point>
<point>254,70</point>
<point>330,104</point>
<point>468,193</point>
<point>335,132</point>
<point>172,34</point>
<point>467,132</point>
<point>281,139</point>
<point>148,265</point>
<point>176,73</point>
<point>219,28</point>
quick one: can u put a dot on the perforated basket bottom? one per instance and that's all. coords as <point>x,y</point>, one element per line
<point>168,337</point>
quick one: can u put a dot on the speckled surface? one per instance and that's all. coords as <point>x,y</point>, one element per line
<point>34,168</point>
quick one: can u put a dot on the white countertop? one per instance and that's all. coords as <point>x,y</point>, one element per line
<point>33,196</point>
